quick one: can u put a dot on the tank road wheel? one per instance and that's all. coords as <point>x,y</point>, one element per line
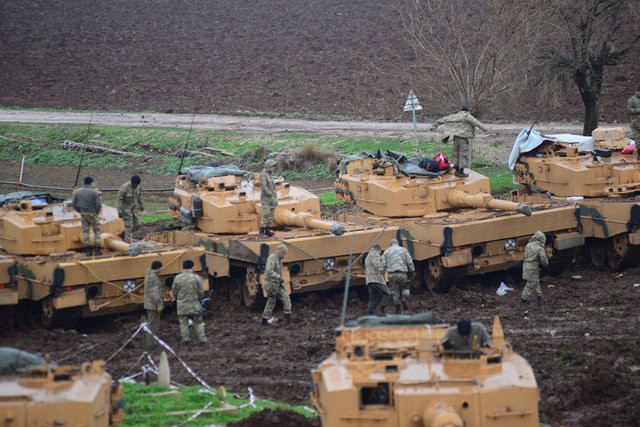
<point>47,313</point>
<point>234,290</point>
<point>597,253</point>
<point>252,291</point>
<point>617,252</point>
<point>435,276</point>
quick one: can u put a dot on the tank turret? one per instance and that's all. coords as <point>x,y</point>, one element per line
<point>394,371</point>
<point>393,189</point>
<point>222,200</point>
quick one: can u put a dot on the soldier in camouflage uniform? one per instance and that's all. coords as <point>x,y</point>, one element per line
<point>87,202</point>
<point>274,285</point>
<point>188,292</point>
<point>153,303</point>
<point>633,105</point>
<point>268,197</point>
<point>535,256</point>
<point>130,206</point>
<point>460,128</point>
<point>401,272</point>
<point>375,266</point>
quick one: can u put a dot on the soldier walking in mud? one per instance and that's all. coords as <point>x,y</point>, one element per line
<point>535,256</point>
<point>401,272</point>
<point>274,285</point>
<point>188,292</point>
<point>633,106</point>
<point>268,197</point>
<point>87,202</point>
<point>153,303</point>
<point>130,206</point>
<point>460,129</point>
<point>379,294</point>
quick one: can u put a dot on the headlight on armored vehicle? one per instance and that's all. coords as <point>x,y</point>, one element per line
<point>129,285</point>
<point>510,244</point>
<point>329,264</point>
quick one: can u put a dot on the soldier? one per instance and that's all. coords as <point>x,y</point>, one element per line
<point>87,202</point>
<point>268,197</point>
<point>188,292</point>
<point>461,129</point>
<point>401,272</point>
<point>535,256</point>
<point>633,105</point>
<point>466,336</point>
<point>379,293</point>
<point>153,303</point>
<point>130,206</point>
<point>274,285</point>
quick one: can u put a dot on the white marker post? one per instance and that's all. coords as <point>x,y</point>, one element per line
<point>413,105</point>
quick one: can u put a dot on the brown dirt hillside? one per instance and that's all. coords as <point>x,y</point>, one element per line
<point>278,56</point>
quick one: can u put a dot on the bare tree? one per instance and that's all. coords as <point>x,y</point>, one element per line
<point>472,52</point>
<point>585,37</point>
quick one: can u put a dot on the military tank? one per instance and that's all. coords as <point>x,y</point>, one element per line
<point>392,371</point>
<point>219,209</point>
<point>47,395</point>
<point>453,226</point>
<point>599,174</point>
<point>44,265</point>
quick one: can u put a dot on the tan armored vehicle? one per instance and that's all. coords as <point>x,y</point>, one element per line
<point>393,372</point>
<point>49,395</point>
<point>453,226</point>
<point>41,241</point>
<point>596,173</point>
<point>221,210</point>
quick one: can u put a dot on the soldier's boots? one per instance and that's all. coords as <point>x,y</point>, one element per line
<point>524,301</point>
<point>267,231</point>
<point>87,250</point>
<point>398,309</point>
<point>97,250</point>
<point>460,172</point>
<point>369,312</point>
<point>539,299</point>
<point>382,313</point>
<point>287,316</point>
<point>264,322</point>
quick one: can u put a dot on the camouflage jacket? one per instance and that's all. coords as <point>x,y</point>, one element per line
<point>87,200</point>
<point>455,341</point>
<point>268,195</point>
<point>188,292</point>
<point>152,291</point>
<point>461,124</point>
<point>129,199</point>
<point>375,265</point>
<point>633,106</point>
<point>535,255</point>
<point>273,273</point>
<point>398,260</point>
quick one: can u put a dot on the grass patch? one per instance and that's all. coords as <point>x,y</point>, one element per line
<point>151,406</point>
<point>328,198</point>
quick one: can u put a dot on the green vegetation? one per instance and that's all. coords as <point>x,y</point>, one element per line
<point>153,406</point>
<point>158,150</point>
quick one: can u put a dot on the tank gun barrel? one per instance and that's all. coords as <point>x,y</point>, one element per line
<point>484,200</point>
<point>307,220</point>
<point>114,243</point>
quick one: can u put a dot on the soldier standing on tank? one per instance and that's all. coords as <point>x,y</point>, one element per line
<point>535,256</point>
<point>153,303</point>
<point>460,130</point>
<point>130,206</point>
<point>633,105</point>
<point>401,272</point>
<point>268,197</point>
<point>375,266</point>
<point>87,202</point>
<point>188,292</point>
<point>274,285</point>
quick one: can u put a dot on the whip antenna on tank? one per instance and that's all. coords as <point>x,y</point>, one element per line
<point>186,142</point>
<point>347,280</point>
<point>84,150</point>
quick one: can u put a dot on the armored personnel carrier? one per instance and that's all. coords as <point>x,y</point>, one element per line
<point>220,209</point>
<point>453,226</point>
<point>598,173</point>
<point>50,395</point>
<point>393,371</point>
<point>43,263</point>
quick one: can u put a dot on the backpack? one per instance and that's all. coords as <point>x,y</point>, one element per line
<point>443,161</point>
